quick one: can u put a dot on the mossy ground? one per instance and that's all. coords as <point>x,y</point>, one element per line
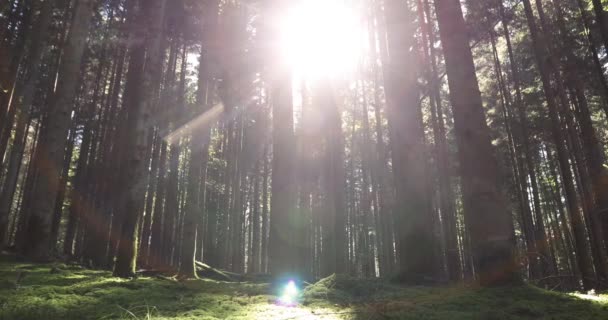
<point>59,291</point>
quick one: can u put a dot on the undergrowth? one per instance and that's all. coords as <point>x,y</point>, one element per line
<point>65,292</point>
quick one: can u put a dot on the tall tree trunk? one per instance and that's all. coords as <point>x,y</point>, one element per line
<point>282,203</point>
<point>141,100</point>
<point>488,221</point>
<point>386,197</point>
<point>133,190</point>
<point>335,246</point>
<point>53,137</point>
<point>281,246</point>
<point>416,244</point>
<point>446,192</point>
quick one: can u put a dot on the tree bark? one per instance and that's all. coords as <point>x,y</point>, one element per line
<point>60,199</point>
<point>281,246</point>
<point>14,166</point>
<point>53,136</point>
<point>335,245</point>
<point>153,258</point>
<point>488,221</point>
<point>416,245</point>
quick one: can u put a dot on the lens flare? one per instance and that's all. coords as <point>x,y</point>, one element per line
<point>289,294</point>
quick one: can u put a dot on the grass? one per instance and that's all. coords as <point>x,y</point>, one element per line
<point>59,291</point>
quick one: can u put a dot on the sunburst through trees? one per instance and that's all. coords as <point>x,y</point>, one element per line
<point>423,141</point>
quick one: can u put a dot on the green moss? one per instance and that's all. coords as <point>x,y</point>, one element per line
<point>377,299</point>
<point>59,291</point>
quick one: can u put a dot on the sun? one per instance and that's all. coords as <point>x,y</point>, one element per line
<point>322,38</point>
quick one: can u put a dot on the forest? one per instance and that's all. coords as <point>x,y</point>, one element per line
<point>303,159</point>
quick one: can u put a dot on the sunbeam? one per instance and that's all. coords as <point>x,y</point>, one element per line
<point>205,120</point>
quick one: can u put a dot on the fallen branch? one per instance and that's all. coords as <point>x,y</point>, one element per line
<point>205,271</point>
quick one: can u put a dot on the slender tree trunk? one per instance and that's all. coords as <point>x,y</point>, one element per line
<point>59,202</point>
<point>541,54</point>
<point>14,166</point>
<point>156,234</point>
<point>522,130</point>
<point>30,181</point>
<point>590,157</point>
<point>192,215</point>
<point>199,154</point>
<point>212,201</point>
<point>335,245</point>
<point>534,237</point>
<point>78,192</point>
<point>152,187</point>
<point>265,203</point>
<point>255,221</point>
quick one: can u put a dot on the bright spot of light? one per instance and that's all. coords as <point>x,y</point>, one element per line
<point>291,288</point>
<point>322,37</point>
<point>289,294</point>
<point>592,296</point>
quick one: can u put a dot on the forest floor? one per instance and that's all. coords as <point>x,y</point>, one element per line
<point>60,291</point>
